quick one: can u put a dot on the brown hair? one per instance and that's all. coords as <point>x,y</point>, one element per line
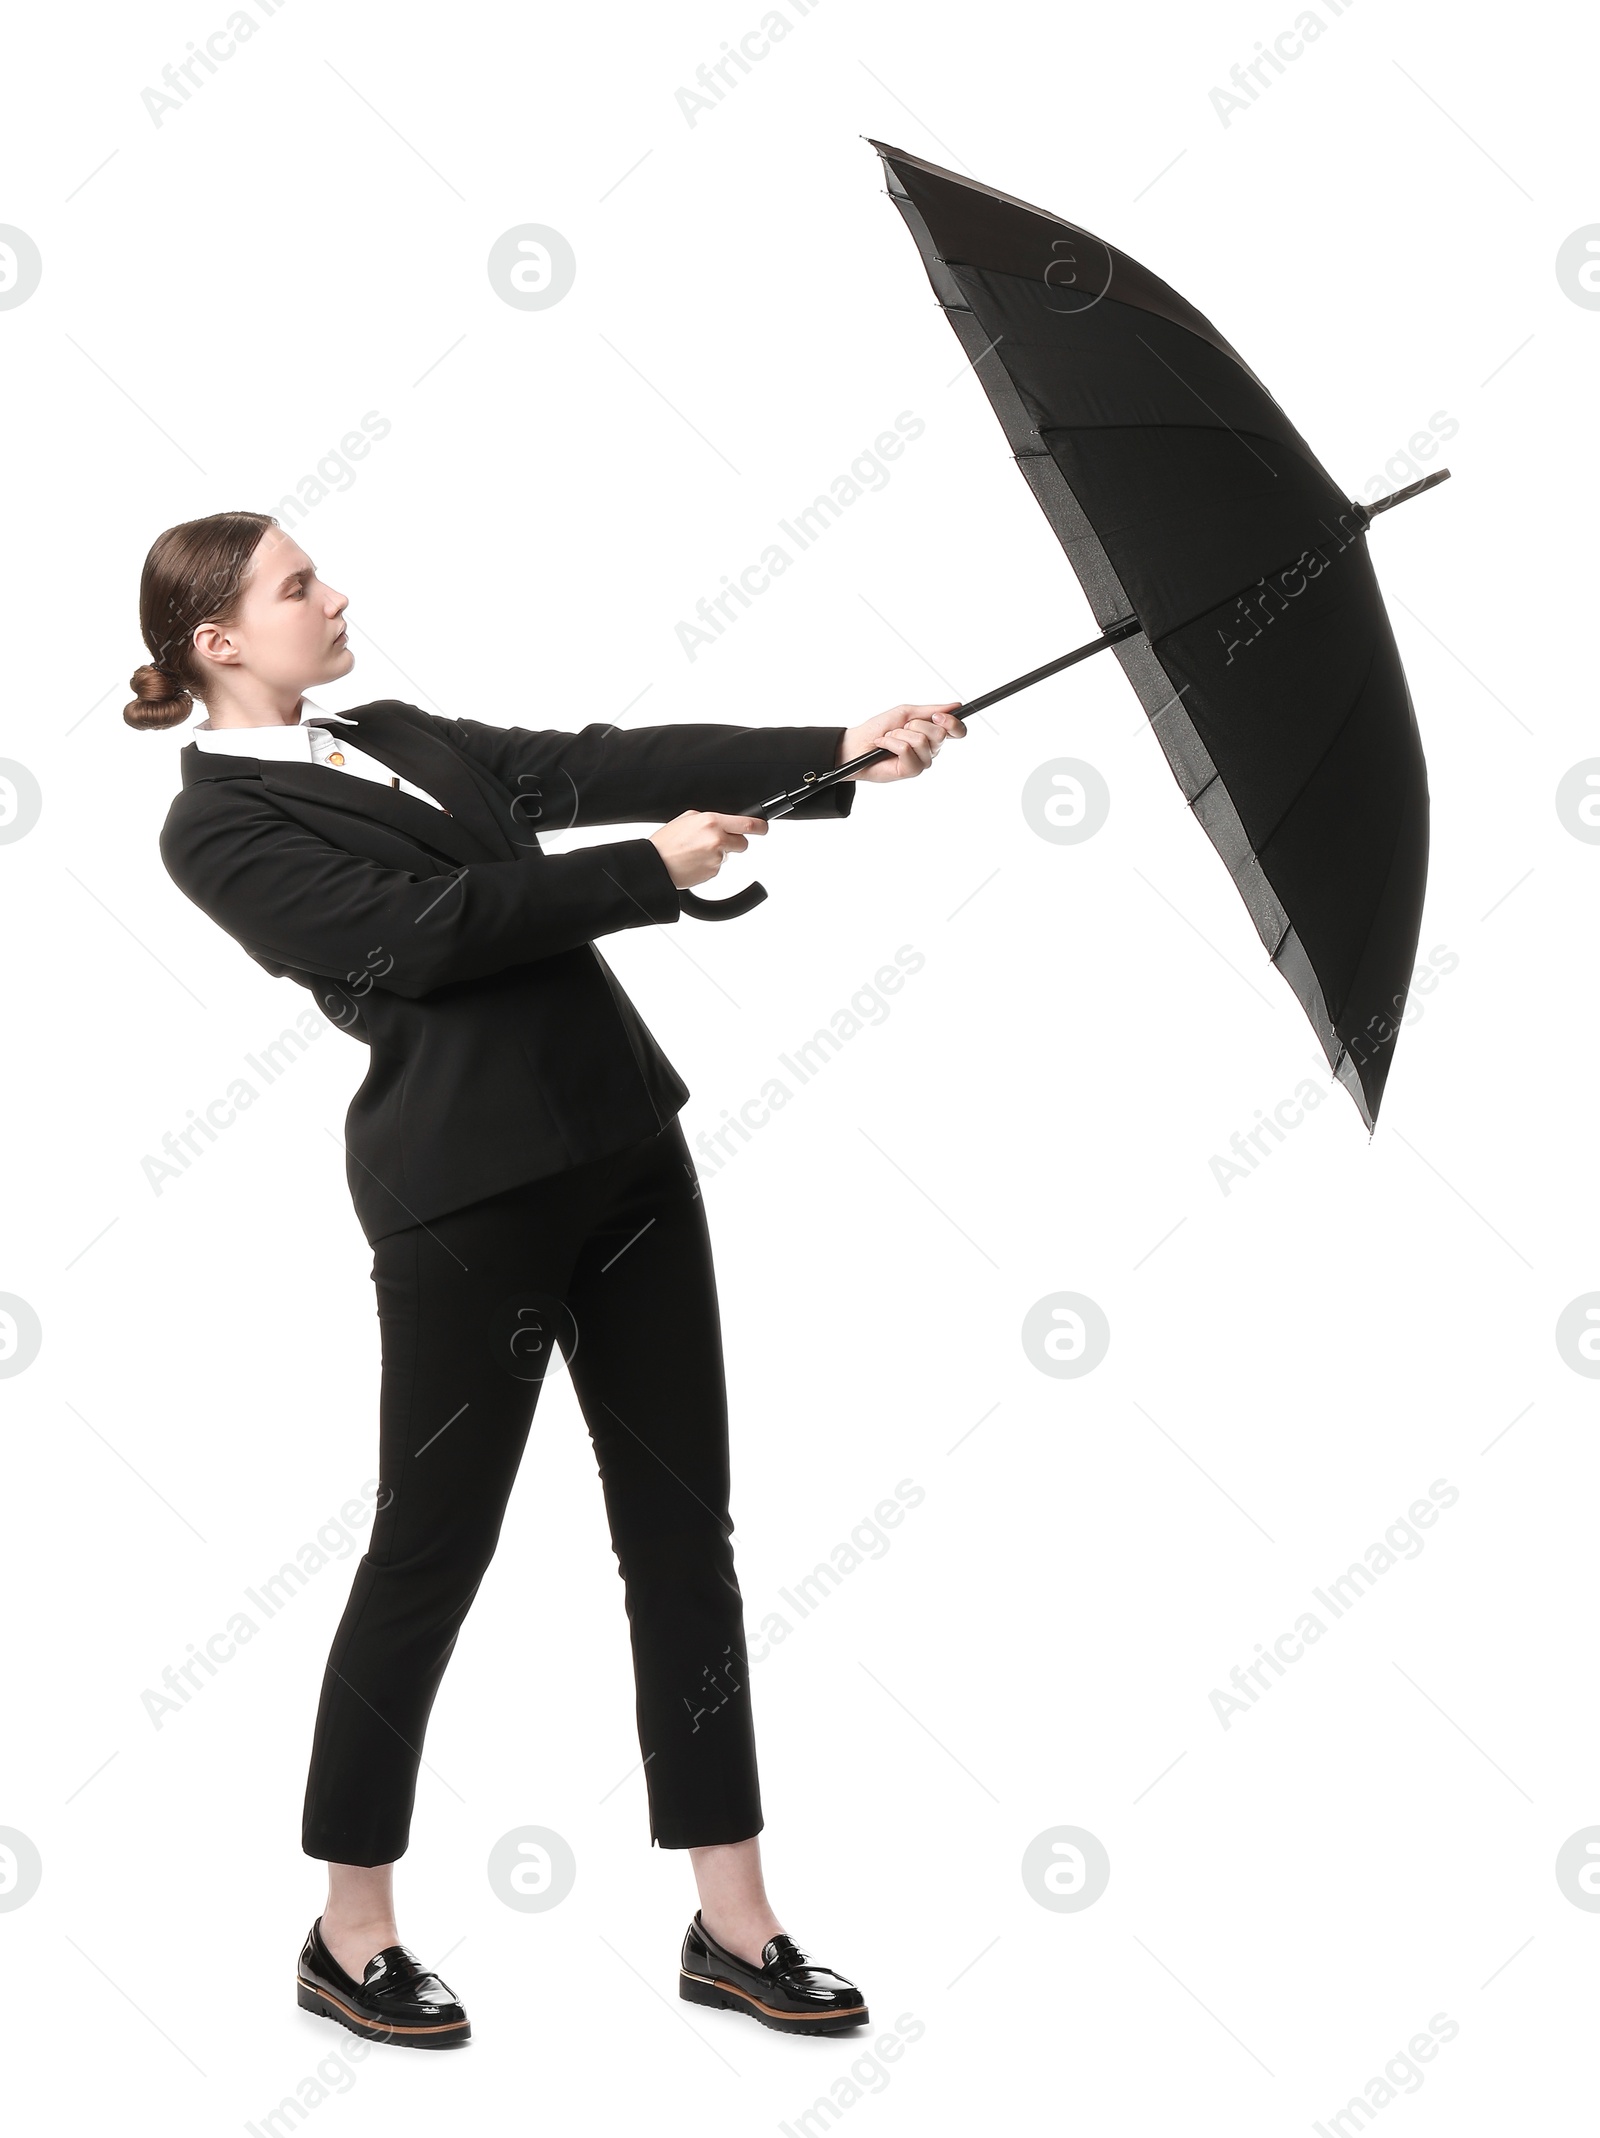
<point>194,574</point>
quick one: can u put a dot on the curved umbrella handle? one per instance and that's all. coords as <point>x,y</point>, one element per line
<point>721,909</point>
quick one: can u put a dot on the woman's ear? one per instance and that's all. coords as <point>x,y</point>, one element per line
<point>212,643</point>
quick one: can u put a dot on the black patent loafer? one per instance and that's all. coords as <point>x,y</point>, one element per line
<point>788,1991</point>
<point>397,1999</point>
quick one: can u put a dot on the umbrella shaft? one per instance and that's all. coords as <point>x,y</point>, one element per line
<point>1117,632</point>
<point>781,804</point>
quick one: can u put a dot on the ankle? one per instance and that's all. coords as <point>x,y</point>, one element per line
<point>353,1941</point>
<point>348,1921</point>
<point>742,1930</point>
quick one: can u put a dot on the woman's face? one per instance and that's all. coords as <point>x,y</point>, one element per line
<point>288,632</point>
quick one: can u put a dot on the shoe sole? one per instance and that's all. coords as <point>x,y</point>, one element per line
<point>327,2006</point>
<point>720,1996</point>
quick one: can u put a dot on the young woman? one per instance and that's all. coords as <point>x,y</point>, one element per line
<point>516,1164</point>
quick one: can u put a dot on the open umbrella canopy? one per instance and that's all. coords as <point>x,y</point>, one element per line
<point>1230,574</point>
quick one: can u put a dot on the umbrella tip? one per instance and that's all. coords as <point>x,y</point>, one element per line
<point>1401,497</point>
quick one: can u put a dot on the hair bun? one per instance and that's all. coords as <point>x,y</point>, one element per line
<point>160,700</point>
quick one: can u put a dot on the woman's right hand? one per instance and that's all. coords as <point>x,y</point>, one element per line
<point>694,845</point>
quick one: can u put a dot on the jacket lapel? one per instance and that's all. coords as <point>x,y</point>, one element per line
<point>420,757</point>
<point>419,821</point>
<point>470,832</point>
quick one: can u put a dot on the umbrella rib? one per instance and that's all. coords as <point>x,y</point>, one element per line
<point>1394,849</point>
<point>1258,847</point>
<point>1300,452</point>
<point>1334,1015</point>
<point>1278,822</point>
<point>1205,404</point>
<point>1216,780</point>
<point>1187,622</point>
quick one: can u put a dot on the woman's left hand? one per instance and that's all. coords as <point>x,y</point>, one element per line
<point>915,733</point>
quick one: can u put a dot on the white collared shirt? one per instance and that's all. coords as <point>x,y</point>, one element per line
<point>305,741</point>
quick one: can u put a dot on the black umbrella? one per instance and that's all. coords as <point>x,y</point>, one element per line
<point>1229,573</point>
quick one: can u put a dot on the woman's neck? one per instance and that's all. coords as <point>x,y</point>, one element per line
<point>230,714</point>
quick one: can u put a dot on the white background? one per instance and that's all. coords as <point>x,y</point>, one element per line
<point>1291,1364</point>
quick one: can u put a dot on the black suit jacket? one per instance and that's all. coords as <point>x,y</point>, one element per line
<point>502,1046</point>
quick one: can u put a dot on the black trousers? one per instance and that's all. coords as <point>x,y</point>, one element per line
<point>612,1261</point>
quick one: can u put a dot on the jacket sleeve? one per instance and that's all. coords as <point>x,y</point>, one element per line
<point>302,902</point>
<point>610,775</point>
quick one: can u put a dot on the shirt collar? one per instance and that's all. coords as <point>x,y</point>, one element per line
<point>292,742</point>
